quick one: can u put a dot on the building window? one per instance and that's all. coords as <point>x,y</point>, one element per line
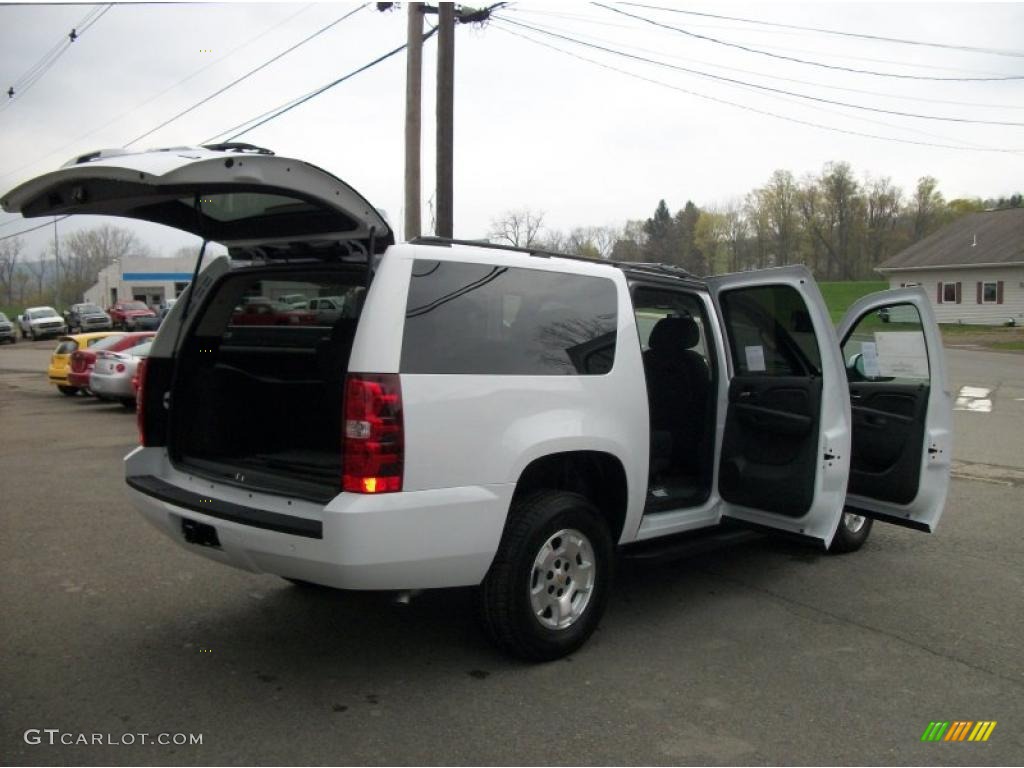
<point>949,293</point>
<point>989,293</point>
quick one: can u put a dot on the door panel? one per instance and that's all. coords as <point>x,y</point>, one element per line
<point>783,459</point>
<point>888,432</point>
<point>769,451</point>
<point>901,409</point>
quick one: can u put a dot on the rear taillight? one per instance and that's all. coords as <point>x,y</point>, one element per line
<point>119,367</point>
<point>139,383</point>
<point>374,443</point>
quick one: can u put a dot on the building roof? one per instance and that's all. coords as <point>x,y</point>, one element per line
<point>987,237</point>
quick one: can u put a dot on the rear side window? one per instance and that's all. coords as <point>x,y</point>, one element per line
<point>66,347</point>
<point>487,319</point>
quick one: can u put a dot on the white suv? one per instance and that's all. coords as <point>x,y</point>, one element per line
<point>496,417</point>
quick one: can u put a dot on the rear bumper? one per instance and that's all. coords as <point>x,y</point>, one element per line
<point>414,540</point>
<point>78,379</point>
<point>112,386</point>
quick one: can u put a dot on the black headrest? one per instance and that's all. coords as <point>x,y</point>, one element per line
<point>674,333</point>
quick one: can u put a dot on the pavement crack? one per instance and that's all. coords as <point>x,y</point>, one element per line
<point>877,630</point>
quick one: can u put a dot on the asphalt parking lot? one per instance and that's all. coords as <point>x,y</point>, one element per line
<point>762,653</point>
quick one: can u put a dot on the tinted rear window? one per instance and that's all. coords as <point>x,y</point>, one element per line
<point>486,319</point>
<point>65,347</point>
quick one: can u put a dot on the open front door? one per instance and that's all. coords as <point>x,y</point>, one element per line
<point>902,409</point>
<point>785,449</point>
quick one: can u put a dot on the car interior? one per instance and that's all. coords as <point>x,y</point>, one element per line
<point>681,376</point>
<point>266,397</point>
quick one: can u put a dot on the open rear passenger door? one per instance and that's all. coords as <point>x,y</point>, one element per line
<point>785,448</point>
<point>901,406</point>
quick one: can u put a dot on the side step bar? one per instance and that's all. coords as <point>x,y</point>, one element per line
<point>664,550</point>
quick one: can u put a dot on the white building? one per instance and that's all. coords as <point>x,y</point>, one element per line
<point>973,269</point>
<point>143,278</point>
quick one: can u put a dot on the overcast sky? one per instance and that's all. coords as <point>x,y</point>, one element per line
<point>533,126</point>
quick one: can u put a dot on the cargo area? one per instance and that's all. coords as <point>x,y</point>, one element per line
<point>258,394</point>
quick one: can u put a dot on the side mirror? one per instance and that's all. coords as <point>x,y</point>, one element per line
<point>856,365</point>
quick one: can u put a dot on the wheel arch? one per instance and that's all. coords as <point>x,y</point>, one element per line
<point>597,475</point>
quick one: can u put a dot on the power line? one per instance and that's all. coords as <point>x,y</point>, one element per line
<point>861,35</point>
<point>274,113</point>
<point>762,52</point>
<point>877,94</point>
<point>789,49</point>
<point>760,87</point>
<point>35,73</point>
<point>745,107</point>
<point>184,80</point>
<point>33,229</point>
<point>288,106</point>
<point>247,75</point>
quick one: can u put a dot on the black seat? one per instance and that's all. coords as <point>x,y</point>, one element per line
<point>678,385</point>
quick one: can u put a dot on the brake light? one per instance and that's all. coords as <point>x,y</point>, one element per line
<point>139,383</point>
<point>374,444</point>
<point>119,367</point>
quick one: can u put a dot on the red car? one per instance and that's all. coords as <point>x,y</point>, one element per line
<point>261,311</point>
<point>125,314</point>
<point>83,360</point>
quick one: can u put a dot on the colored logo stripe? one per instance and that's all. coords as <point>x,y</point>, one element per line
<point>958,730</point>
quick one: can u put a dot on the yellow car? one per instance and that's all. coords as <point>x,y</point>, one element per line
<point>60,361</point>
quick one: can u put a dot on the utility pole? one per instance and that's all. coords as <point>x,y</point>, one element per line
<point>445,117</point>
<point>413,88</point>
<point>56,266</point>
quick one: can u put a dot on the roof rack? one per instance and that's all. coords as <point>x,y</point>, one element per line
<point>638,266</point>
<point>539,252</point>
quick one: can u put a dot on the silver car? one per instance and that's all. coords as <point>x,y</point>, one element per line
<point>113,375</point>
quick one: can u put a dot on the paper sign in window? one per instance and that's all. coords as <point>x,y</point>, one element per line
<point>755,358</point>
<point>902,353</point>
<point>869,358</point>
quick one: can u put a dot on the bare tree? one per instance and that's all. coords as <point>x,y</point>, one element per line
<point>519,228</point>
<point>37,271</point>
<point>87,251</point>
<point>927,207</point>
<point>882,209</point>
<point>10,250</point>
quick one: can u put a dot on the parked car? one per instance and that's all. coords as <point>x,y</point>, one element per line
<point>83,360</point>
<point>499,418</point>
<point>86,317</point>
<point>126,314</point>
<point>293,300</point>
<point>263,311</point>
<point>327,309</point>
<point>41,322</point>
<point>113,374</point>
<point>60,360</point>
<point>7,330</point>
<point>151,323</point>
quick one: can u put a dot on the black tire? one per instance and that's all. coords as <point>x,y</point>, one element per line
<point>69,391</point>
<point>850,536</point>
<point>128,402</point>
<point>504,597</point>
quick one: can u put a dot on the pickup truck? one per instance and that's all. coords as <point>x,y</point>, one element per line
<point>126,314</point>
<point>501,418</point>
<point>40,323</point>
